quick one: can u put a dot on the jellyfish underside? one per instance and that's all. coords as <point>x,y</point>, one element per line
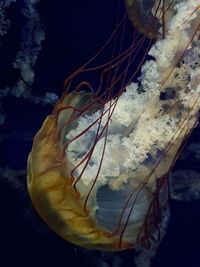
<point>97,174</point>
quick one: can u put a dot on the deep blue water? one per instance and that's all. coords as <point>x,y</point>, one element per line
<point>74,31</point>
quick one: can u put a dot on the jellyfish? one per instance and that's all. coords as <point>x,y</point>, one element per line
<point>99,166</point>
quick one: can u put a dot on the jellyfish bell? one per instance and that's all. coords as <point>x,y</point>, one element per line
<point>150,17</point>
<point>99,166</point>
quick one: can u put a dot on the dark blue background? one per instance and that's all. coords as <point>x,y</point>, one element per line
<point>74,32</point>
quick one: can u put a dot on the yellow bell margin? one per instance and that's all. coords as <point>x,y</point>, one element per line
<point>52,193</point>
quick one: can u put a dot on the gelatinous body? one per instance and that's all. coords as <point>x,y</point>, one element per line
<point>149,15</point>
<point>99,166</point>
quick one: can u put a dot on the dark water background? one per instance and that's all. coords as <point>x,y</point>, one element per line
<point>74,31</point>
